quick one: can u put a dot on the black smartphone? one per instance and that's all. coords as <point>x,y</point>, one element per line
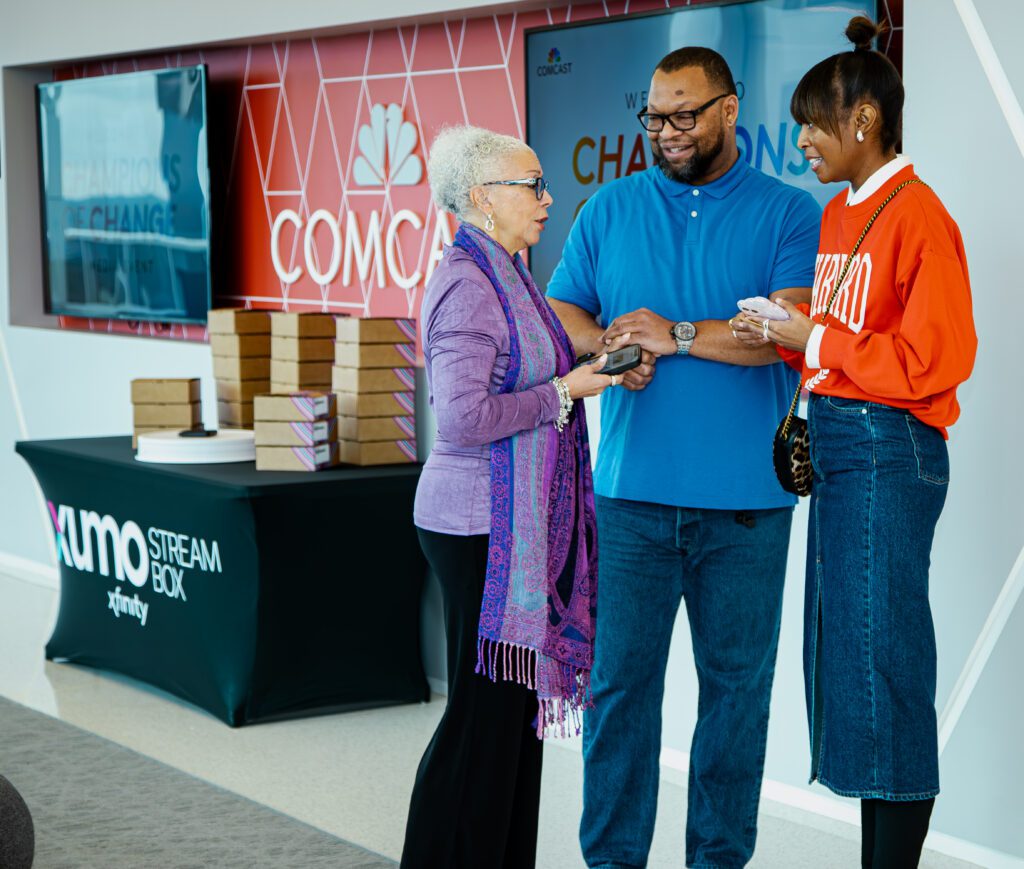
<point>619,362</point>
<point>622,360</point>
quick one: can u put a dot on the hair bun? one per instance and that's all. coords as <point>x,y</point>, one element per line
<point>861,31</point>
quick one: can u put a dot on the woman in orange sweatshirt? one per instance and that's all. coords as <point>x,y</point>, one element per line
<point>881,358</point>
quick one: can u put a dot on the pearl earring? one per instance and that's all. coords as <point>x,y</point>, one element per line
<point>860,136</point>
<point>489,225</point>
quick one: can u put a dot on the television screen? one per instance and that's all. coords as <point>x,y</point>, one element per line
<point>126,196</point>
<point>586,83</point>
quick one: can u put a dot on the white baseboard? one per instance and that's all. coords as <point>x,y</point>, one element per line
<point>27,570</point>
<point>972,853</point>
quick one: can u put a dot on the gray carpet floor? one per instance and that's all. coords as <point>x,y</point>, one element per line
<point>96,805</point>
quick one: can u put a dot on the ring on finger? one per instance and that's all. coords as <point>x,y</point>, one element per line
<point>764,328</point>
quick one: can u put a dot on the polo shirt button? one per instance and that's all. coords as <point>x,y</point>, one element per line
<point>693,214</point>
<point>696,193</point>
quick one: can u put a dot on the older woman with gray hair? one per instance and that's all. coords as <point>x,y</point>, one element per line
<point>504,512</point>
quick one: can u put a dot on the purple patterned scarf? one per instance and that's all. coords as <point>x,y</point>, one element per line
<point>538,614</point>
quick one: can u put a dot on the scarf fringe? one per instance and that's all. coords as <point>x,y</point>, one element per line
<point>560,716</point>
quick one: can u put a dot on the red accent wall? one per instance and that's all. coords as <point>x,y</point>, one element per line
<point>285,133</point>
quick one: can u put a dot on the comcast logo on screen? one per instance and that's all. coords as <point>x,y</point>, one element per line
<point>554,66</point>
<point>386,146</point>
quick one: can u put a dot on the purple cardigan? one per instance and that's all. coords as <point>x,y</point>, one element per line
<point>466,349</point>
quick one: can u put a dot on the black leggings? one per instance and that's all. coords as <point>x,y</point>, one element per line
<point>892,833</point>
<point>477,793</point>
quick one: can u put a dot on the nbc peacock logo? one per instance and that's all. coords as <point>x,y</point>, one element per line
<point>386,146</point>
<point>554,65</point>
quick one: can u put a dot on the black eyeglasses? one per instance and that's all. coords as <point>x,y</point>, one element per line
<point>682,121</point>
<point>539,185</point>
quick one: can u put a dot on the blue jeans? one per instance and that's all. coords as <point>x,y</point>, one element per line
<point>880,480</point>
<point>729,567</point>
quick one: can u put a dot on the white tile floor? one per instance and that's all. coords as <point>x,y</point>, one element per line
<point>347,774</point>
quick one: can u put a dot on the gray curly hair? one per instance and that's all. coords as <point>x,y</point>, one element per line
<point>463,157</point>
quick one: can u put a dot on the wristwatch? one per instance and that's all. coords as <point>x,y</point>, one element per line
<point>684,333</point>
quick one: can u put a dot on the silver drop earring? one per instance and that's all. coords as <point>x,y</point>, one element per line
<point>860,136</point>
<point>489,225</point>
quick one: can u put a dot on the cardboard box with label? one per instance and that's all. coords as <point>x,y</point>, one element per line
<point>295,407</point>
<point>361,380</point>
<point>235,413</point>
<point>374,330</point>
<point>379,428</point>
<point>374,355</point>
<point>237,321</point>
<point>241,390</point>
<point>377,453</point>
<point>313,458</point>
<point>171,390</point>
<point>307,433</point>
<point>236,368</point>
<point>376,404</point>
<point>240,345</point>
<point>301,324</point>
<point>301,349</point>
<point>300,375</point>
<point>174,416</point>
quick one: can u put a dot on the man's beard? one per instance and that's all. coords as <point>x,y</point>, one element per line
<point>696,167</point>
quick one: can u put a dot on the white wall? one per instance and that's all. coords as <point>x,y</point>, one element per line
<point>65,384</point>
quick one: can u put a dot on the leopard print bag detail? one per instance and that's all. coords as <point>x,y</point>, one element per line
<point>791,446</point>
<point>791,455</point>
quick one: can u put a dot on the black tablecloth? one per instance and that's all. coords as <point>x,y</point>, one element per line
<point>252,595</point>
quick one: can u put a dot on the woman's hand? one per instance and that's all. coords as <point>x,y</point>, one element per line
<point>792,333</point>
<point>585,381</point>
<point>746,331</point>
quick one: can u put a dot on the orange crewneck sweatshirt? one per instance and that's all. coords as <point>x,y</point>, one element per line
<point>901,331</point>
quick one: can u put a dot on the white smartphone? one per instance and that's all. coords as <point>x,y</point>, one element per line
<point>765,309</point>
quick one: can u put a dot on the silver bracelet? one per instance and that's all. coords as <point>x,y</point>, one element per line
<point>564,401</point>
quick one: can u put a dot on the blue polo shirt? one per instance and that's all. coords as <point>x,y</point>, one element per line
<point>700,435</point>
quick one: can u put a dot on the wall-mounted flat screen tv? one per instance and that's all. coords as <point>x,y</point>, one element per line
<point>126,196</point>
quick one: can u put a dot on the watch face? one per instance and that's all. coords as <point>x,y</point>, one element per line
<point>684,331</point>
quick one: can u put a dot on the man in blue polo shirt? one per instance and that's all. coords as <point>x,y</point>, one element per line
<point>688,505</point>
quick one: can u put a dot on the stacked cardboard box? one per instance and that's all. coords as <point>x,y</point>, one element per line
<point>301,351</point>
<point>296,431</point>
<point>374,379</point>
<point>165,405</point>
<point>240,341</point>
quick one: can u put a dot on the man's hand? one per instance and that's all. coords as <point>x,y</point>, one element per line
<point>651,332</point>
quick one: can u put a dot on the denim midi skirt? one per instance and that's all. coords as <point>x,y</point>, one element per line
<point>880,479</point>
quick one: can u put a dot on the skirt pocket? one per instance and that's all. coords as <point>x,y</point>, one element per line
<point>929,451</point>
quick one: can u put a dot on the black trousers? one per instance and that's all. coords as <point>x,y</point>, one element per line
<point>477,793</point>
<point>892,833</point>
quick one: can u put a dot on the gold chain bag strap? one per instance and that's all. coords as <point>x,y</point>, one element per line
<point>791,446</point>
